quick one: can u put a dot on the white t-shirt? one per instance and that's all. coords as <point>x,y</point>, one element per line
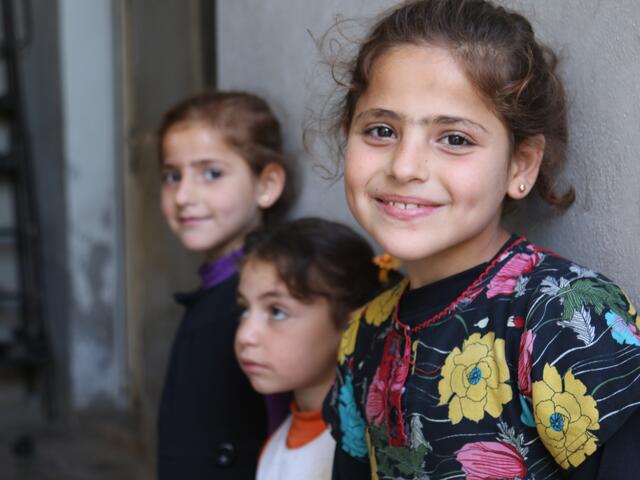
<point>311,461</point>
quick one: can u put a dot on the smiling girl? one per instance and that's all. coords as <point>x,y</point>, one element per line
<point>223,175</point>
<point>497,358</point>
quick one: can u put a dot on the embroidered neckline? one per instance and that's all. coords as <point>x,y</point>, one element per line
<point>470,291</point>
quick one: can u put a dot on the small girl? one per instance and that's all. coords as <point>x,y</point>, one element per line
<point>223,175</point>
<point>298,285</point>
<point>496,358</point>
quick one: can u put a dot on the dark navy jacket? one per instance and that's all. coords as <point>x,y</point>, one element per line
<point>211,424</point>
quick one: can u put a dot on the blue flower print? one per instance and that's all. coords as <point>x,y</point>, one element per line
<point>526,416</point>
<point>621,331</point>
<point>351,422</point>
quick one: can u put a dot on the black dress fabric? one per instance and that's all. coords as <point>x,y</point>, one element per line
<point>211,423</point>
<point>613,331</point>
<point>414,307</point>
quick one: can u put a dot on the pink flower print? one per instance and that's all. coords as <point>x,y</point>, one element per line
<point>386,382</point>
<point>504,282</point>
<point>524,362</point>
<point>399,374</point>
<point>376,400</point>
<point>491,461</point>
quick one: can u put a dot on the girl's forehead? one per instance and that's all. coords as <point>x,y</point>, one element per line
<point>194,130</point>
<point>402,72</point>
<point>260,274</point>
<point>189,142</point>
<point>420,82</point>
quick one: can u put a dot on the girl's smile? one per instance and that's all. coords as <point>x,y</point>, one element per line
<point>428,164</point>
<point>193,220</point>
<point>405,208</point>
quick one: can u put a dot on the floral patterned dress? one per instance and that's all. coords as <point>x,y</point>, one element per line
<point>532,368</point>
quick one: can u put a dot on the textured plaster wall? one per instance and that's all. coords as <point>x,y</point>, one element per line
<point>271,51</point>
<point>90,120</point>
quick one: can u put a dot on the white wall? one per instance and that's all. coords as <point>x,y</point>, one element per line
<point>92,198</point>
<point>271,51</point>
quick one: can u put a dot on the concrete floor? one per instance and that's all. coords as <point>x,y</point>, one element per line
<point>94,448</point>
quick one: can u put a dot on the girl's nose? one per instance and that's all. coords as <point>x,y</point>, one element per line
<point>248,333</point>
<point>185,191</point>
<point>410,161</point>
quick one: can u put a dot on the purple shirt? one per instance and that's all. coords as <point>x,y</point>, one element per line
<point>217,271</point>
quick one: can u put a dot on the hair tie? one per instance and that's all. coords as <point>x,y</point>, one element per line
<point>385,263</point>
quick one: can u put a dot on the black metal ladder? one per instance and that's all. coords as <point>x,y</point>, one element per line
<point>23,343</point>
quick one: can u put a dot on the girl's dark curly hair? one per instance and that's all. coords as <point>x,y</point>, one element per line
<point>320,258</point>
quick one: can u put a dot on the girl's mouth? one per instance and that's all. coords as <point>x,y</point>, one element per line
<point>249,366</point>
<point>192,220</point>
<point>405,208</point>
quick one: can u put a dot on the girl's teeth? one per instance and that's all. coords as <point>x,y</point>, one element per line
<point>404,206</point>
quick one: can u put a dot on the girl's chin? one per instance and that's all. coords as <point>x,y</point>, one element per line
<point>197,247</point>
<point>404,253</point>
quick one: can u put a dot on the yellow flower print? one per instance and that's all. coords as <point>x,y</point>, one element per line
<point>632,310</point>
<point>474,379</point>
<point>381,307</point>
<point>564,417</point>
<point>348,339</point>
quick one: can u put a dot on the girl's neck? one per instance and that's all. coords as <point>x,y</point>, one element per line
<point>233,244</point>
<point>310,399</point>
<point>455,260</point>
<point>221,251</point>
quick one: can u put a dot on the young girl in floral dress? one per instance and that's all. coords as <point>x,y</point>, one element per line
<point>496,358</point>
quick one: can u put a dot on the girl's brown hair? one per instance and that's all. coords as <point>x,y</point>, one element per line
<point>320,258</point>
<point>248,125</point>
<point>501,57</point>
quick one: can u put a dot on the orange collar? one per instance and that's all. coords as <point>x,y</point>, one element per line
<point>305,426</point>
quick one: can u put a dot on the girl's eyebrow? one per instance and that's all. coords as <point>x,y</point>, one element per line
<point>447,120</point>
<point>201,162</point>
<point>265,295</point>
<point>205,162</point>
<point>273,294</point>
<point>381,113</point>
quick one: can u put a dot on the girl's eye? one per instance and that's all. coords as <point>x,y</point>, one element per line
<point>212,174</point>
<point>278,313</point>
<point>242,312</point>
<point>169,177</point>
<point>380,131</point>
<point>456,140</point>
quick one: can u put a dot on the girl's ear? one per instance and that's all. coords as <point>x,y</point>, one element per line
<point>525,165</point>
<point>270,184</point>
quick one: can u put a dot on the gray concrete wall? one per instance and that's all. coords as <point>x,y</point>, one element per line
<point>272,52</point>
<point>89,105</point>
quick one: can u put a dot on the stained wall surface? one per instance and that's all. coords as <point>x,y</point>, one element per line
<point>274,52</point>
<point>89,98</point>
